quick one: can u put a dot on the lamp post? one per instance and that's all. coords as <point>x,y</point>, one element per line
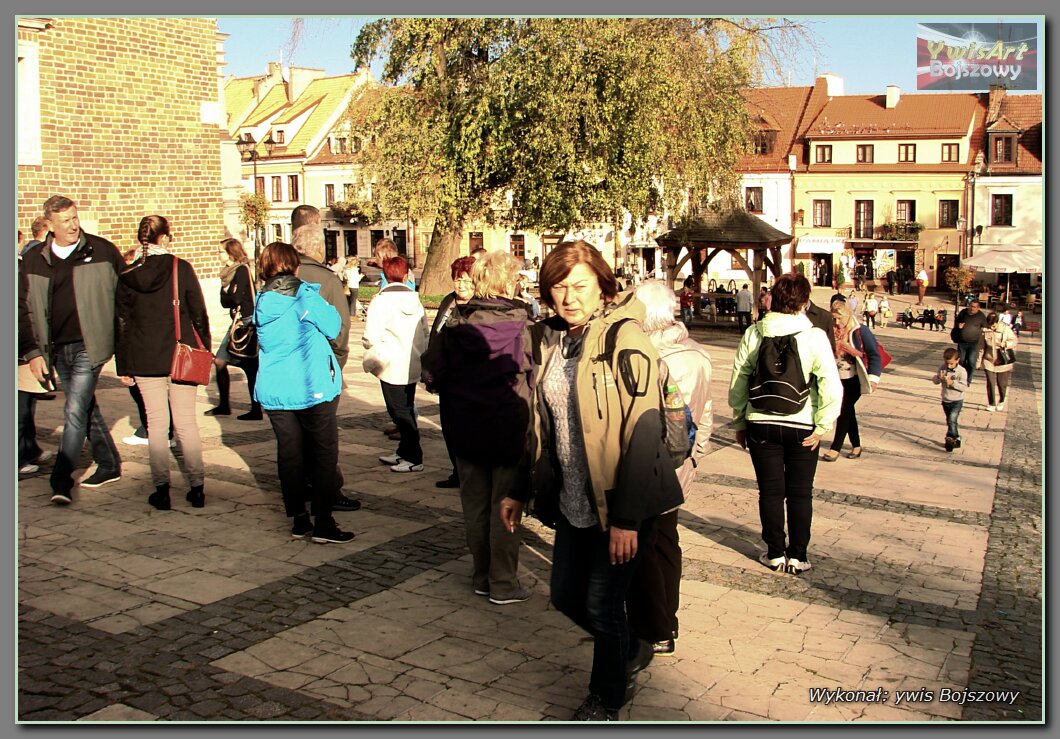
<point>976,170</point>
<point>248,150</point>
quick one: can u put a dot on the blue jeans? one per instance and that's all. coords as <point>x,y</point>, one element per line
<point>81,418</point>
<point>785,470</point>
<point>952,409</point>
<point>967,352</point>
<point>28,449</point>
<point>686,317</point>
<point>591,592</point>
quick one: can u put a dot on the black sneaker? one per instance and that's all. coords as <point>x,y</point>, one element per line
<point>342,503</point>
<point>449,482</point>
<point>592,709</point>
<point>303,526</point>
<point>99,477</point>
<point>949,443</point>
<point>221,410</point>
<point>325,534</point>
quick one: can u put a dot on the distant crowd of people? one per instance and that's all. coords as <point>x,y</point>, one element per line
<point>568,418</point>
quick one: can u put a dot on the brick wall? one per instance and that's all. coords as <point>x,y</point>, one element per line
<point>122,129</point>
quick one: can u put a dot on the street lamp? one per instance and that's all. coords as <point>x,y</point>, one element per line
<point>248,150</point>
<point>976,170</point>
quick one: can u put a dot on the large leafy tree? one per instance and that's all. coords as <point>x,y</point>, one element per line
<point>555,123</point>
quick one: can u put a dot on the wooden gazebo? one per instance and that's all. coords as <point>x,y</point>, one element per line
<point>733,231</point>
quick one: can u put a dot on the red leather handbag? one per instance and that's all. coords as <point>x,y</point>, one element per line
<point>190,365</point>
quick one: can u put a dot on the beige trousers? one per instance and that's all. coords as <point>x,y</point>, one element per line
<point>160,397</point>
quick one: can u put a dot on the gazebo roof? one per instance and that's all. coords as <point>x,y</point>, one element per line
<point>723,228</point>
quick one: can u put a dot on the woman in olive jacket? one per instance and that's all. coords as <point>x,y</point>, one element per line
<point>600,472</point>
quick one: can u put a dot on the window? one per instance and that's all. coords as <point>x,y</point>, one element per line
<point>28,105</point>
<point>474,241</point>
<point>951,152</point>
<point>278,137</point>
<point>518,242</point>
<point>753,198</point>
<point>356,144</point>
<point>259,185</point>
<point>905,212</point>
<point>822,213</point>
<point>948,213</point>
<point>247,136</point>
<point>277,189</point>
<point>340,146</point>
<point>764,142</point>
<point>823,154</point>
<point>349,192</point>
<point>863,219</point>
<point>1003,149</point>
<point>277,231</point>
<point>906,152</point>
<point>865,152</point>
<point>292,188</point>
<point>329,194</point>
<point>1000,210</point>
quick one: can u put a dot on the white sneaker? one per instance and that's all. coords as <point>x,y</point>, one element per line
<point>390,459</point>
<point>1001,406</point>
<point>44,457</point>
<point>406,466</point>
<point>135,440</point>
<point>991,408</point>
<point>777,564</point>
<point>796,566</point>
<point>28,469</point>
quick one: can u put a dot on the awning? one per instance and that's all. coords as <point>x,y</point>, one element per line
<point>883,244</point>
<point>820,244</point>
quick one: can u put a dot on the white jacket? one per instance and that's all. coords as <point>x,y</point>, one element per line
<point>395,335</point>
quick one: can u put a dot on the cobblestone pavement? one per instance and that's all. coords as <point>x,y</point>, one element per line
<point>926,579</point>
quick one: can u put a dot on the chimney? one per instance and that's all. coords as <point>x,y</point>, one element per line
<point>997,94</point>
<point>300,77</point>
<point>833,83</point>
<point>893,94</point>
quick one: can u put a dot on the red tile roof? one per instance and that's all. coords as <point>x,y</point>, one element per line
<point>866,116</point>
<point>779,109</point>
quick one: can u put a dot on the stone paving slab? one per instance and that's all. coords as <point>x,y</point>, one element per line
<point>927,574</point>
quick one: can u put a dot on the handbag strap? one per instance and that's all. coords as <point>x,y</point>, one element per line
<point>176,309</point>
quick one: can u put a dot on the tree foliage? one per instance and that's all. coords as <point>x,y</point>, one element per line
<point>254,211</point>
<point>553,124</point>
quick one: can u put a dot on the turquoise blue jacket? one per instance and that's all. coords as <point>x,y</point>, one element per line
<point>296,367</point>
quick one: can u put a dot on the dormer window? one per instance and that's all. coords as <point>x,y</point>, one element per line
<point>356,144</point>
<point>1003,148</point>
<point>765,142</point>
<point>277,136</point>
<point>340,145</point>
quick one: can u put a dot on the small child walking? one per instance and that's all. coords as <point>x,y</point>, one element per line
<point>954,380</point>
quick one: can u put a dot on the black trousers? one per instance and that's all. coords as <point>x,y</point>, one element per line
<point>317,428</point>
<point>847,423</point>
<point>655,592</point>
<point>400,401</point>
<point>785,470</point>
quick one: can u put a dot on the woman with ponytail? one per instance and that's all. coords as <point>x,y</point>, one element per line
<point>146,342</point>
<point>237,294</point>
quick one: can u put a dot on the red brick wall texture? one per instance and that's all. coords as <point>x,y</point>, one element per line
<point>122,132</point>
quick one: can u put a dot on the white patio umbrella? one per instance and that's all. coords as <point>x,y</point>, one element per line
<point>1006,258</point>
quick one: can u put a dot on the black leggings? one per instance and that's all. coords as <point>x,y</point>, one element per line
<point>847,423</point>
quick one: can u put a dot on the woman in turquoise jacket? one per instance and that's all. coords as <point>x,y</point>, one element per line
<point>299,381</point>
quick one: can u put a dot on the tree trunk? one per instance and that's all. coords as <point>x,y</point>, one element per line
<point>445,247</point>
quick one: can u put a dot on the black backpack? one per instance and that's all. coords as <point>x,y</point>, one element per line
<point>777,385</point>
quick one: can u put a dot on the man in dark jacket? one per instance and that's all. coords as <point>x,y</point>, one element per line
<point>307,237</point>
<point>66,303</point>
<point>969,322</point>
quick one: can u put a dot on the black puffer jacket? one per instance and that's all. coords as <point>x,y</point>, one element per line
<point>146,334</point>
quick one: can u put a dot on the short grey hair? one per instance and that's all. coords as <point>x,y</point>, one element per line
<point>660,304</point>
<point>309,241</point>
<point>57,204</point>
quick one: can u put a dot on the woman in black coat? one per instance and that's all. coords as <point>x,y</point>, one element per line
<point>146,341</point>
<point>237,294</point>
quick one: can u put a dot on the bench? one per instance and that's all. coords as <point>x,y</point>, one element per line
<point>1032,327</point>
